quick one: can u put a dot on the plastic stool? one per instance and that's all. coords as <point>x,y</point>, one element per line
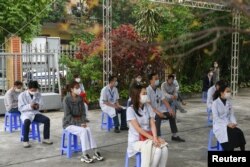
<point>12,121</point>
<point>35,132</point>
<point>71,145</point>
<point>210,147</point>
<point>108,124</point>
<point>137,157</point>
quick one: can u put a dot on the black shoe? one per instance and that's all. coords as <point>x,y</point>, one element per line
<point>178,139</point>
<point>117,130</point>
<point>124,128</point>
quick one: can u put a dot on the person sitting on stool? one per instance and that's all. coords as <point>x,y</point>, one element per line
<point>110,105</point>
<point>11,97</point>
<point>29,104</point>
<point>224,122</point>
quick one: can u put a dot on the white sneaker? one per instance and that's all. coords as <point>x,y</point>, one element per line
<point>26,144</point>
<point>86,158</point>
<point>98,156</point>
<point>47,141</point>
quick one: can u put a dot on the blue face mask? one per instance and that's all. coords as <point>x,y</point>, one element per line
<point>157,82</point>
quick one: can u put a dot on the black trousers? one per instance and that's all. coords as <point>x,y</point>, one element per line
<point>172,123</point>
<point>235,139</point>
<point>38,118</point>
<point>123,118</point>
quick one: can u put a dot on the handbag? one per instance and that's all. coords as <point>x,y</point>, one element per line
<point>143,138</point>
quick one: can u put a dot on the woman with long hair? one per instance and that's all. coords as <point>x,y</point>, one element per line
<point>74,121</point>
<point>224,122</point>
<point>140,117</point>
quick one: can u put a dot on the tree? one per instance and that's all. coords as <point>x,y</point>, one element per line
<point>148,19</point>
<point>132,54</point>
<point>22,17</point>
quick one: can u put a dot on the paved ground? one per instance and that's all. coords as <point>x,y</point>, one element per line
<point>192,153</point>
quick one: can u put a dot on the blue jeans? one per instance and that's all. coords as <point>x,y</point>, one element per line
<point>123,118</point>
<point>40,119</point>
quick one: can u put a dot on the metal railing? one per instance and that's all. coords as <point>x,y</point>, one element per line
<point>42,67</point>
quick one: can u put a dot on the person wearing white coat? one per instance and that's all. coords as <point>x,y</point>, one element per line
<point>210,94</point>
<point>110,105</point>
<point>29,104</point>
<point>140,117</point>
<point>74,121</point>
<point>224,122</point>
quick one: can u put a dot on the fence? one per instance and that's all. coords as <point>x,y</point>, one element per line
<point>42,67</point>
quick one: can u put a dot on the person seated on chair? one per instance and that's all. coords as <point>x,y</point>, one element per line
<point>11,97</point>
<point>110,105</point>
<point>224,122</point>
<point>74,121</point>
<point>210,94</point>
<point>29,104</point>
<point>161,107</point>
<point>142,135</point>
<point>169,90</point>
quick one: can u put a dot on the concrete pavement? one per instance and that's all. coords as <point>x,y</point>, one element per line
<point>192,127</point>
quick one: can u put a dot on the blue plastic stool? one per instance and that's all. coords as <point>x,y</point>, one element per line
<point>108,124</point>
<point>34,133</point>
<point>71,144</point>
<point>12,121</point>
<point>204,97</point>
<point>211,147</point>
<point>209,121</point>
<point>137,157</point>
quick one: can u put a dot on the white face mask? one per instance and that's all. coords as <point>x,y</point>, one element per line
<point>215,65</point>
<point>116,84</point>
<point>78,80</point>
<point>138,79</point>
<point>143,99</point>
<point>211,74</point>
<point>18,90</point>
<point>227,95</point>
<point>157,82</point>
<point>33,93</point>
<point>77,91</point>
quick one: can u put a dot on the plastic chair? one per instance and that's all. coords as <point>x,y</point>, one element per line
<point>108,124</point>
<point>71,144</point>
<point>211,147</point>
<point>34,133</point>
<point>137,158</point>
<point>12,121</point>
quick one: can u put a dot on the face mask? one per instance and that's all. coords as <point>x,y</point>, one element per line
<point>138,79</point>
<point>18,90</point>
<point>33,93</point>
<point>157,82</point>
<point>77,91</point>
<point>227,95</point>
<point>116,84</point>
<point>211,74</point>
<point>144,99</point>
<point>78,80</point>
<point>215,65</point>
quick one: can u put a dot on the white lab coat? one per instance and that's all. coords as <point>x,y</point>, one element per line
<point>210,94</point>
<point>222,116</point>
<point>105,96</point>
<point>24,101</point>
